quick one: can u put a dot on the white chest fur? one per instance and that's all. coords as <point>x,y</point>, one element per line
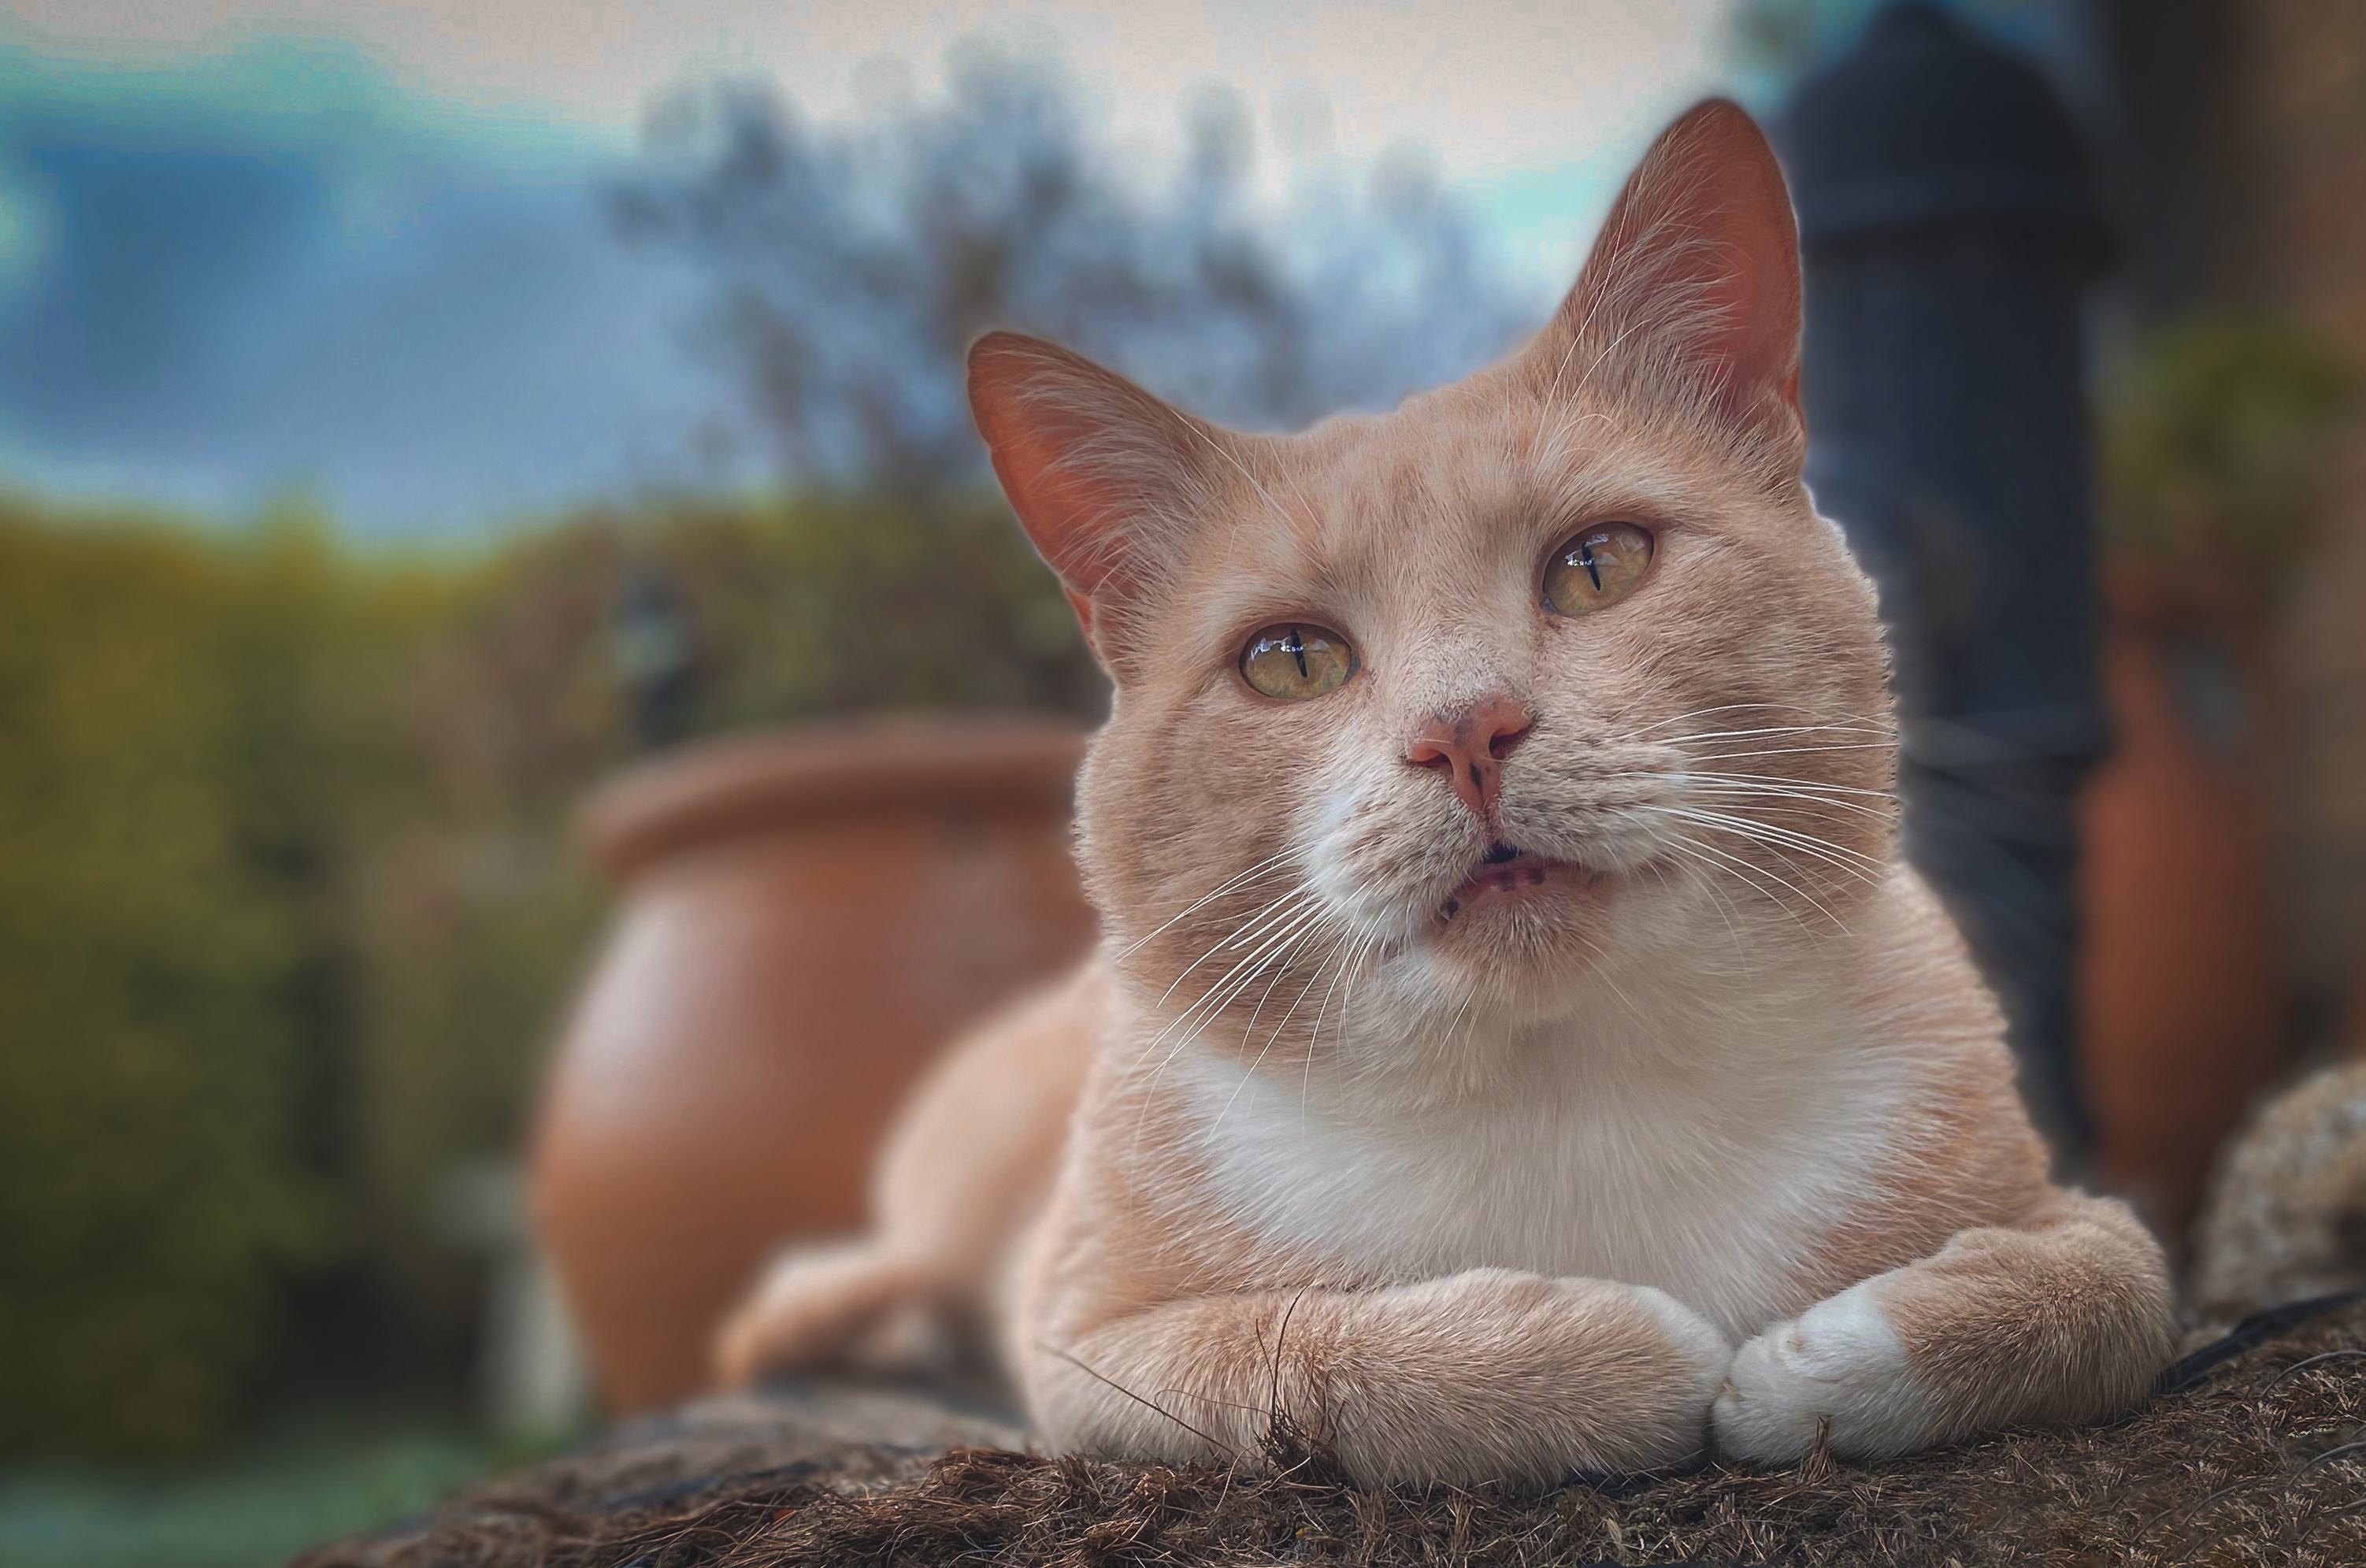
<point>1714,1185</point>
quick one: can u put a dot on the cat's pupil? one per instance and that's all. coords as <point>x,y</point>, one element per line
<point>1586,559</point>
<point>1287,661</point>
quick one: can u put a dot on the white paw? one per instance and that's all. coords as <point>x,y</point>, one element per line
<point>1707,1351</point>
<point>1840,1363</point>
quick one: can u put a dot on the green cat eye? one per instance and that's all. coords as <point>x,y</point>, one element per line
<point>1599,567</point>
<point>1293,660</point>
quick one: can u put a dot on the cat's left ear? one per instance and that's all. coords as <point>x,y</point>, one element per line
<point>1692,293</point>
<point>1104,477</point>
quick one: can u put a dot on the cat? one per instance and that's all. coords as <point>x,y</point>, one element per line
<point>2286,1216</point>
<point>1517,1045</point>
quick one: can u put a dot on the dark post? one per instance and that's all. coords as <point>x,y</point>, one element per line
<point>650,652</point>
<point>1950,225</point>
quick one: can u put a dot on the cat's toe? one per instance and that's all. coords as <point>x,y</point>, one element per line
<point>1838,1371</point>
<point>1706,1351</point>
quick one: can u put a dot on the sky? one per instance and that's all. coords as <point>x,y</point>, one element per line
<point>1533,106</point>
<point>302,331</point>
<point>1489,87</point>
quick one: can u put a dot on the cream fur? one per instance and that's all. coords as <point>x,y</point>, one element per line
<point>1340,1146</point>
<point>1835,1374</point>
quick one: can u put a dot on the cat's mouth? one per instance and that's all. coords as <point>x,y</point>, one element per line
<point>1507,870</point>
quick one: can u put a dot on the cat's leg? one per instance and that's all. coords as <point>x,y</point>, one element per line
<point>971,1155</point>
<point>811,1306</point>
<point>1479,1376</point>
<point>2066,1318</point>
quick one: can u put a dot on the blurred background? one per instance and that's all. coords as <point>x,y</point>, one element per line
<point>412,416</point>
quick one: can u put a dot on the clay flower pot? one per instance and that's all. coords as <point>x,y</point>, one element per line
<point>806,918</point>
<point>2180,983</point>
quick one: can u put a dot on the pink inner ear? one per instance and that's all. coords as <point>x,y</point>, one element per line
<point>1700,257</point>
<point>1078,450</point>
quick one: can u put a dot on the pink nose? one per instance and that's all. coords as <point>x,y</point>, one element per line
<point>1470,746</point>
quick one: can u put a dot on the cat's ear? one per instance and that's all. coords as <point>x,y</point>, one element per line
<point>1102,475</point>
<point>1693,289</point>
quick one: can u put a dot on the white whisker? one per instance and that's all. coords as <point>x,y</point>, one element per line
<point>1751,874</point>
<point>1262,868</point>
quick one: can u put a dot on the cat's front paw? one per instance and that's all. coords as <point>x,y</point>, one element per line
<point>1707,1353</point>
<point>1837,1369</point>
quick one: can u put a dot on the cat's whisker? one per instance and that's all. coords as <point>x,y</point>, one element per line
<point>1239,934</point>
<point>1186,1026</point>
<point>1721,707</point>
<point>1279,964</point>
<point>1785,781</point>
<point>1777,805</point>
<point>1274,1036</point>
<point>1796,750</point>
<point>1208,1008</point>
<point>1337,944</point>
<point>1771,732</point>
<point>1367,946</point>
<point>1736,789</point>
<point>1848,862</point>
<point>1692,783</point>
<point>1720,865</point>
<point>1280,969</point>
<point>1725,912</point>
<point>1602,972</point>
<point>1457,1034</point>
<point>1750,874</point>
<point>1231,884</point>
<point>1351,972</point>
<point>1282,932</point>
<point>1194,1019</point>
<point>1743,794</point>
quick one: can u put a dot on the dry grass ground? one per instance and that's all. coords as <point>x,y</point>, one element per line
<point>2261,1457</point>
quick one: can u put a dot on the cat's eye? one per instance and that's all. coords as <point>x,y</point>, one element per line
<point>1293,660</point>
<point>1599,567</point>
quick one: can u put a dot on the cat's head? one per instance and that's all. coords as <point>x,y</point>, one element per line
<point>1469,709</point>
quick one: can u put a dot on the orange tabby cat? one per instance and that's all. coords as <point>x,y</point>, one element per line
<point>1517,1046</point>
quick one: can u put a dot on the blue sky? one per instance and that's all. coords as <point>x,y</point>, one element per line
<point>262,249</point>
<point>281,275</point>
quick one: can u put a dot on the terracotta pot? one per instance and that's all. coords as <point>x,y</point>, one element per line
<point>804,919</point>
<point>2181,982</point>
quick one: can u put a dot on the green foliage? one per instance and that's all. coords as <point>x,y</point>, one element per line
<point>152,1071</point>
<point>834,607</point>
<point>2210,443</point>
<point>287,909</point>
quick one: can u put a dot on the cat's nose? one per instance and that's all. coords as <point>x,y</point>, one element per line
<point>1470,746</point>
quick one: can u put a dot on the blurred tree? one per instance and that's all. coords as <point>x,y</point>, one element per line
<point>2211,433</point>
<point>161,995</point>
<point>855,264</point>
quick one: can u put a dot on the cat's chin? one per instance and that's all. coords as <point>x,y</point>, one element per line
<point>1514,916</point>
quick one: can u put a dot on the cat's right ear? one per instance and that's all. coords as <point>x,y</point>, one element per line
<point>1102,475</point>
<point>1692,293</point>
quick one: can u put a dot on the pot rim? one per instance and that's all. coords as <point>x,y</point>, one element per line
<point>733,787</point>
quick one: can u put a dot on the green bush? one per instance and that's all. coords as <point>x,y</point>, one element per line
<point>2212,435</point>
<point>152,1186</point>
<point>287,909</point>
